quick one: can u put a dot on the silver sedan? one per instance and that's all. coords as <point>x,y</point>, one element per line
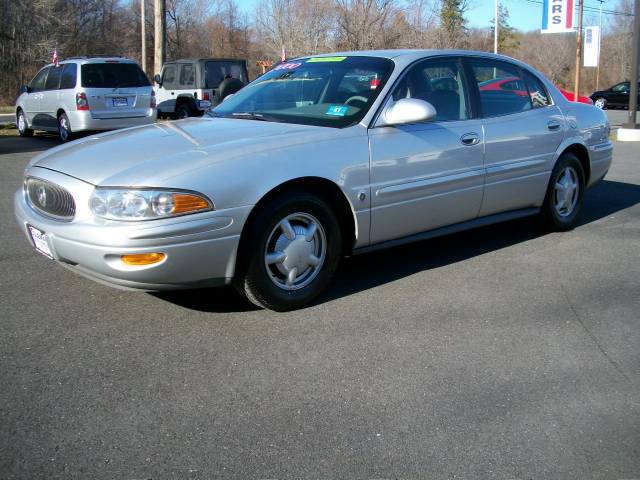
<point>321,157</point>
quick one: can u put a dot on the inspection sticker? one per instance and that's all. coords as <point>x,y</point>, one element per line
<point>287,66</point>
<point>326,59</point>
<point>337,110</point>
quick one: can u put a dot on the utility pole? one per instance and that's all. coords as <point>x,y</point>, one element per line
<point>599,45</point>
<point>576,88</point>
<point>495,25</point>
<point>143,53</point>
<point>159,35</point>
<point>633,90</point>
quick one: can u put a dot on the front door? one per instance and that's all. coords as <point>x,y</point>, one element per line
<point>166,96</point>
<point>427,175</point>
<point>33,102</point>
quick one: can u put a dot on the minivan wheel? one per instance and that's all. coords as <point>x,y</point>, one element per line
<point>184,111</point>
<point>21,124</point>
<point>289,252</point>
<point>565,194</point>
<point>601,103</point>
<point>64,128</point>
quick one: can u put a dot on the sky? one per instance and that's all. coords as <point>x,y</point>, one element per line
<point>523,14</point>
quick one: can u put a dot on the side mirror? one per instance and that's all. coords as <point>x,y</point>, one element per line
<point>25,89</point>
<point>408,110</point>
<point>158,79</point>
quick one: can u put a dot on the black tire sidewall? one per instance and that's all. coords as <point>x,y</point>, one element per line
<point>253,280</point>
<point>183,108</point>
<point>554,220</point>
<point>68,129</point>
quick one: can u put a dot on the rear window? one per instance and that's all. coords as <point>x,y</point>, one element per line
<point>113,75</point>
<point>216,72</point>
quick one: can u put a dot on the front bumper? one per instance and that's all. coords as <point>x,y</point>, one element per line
<point>200,249</point>
<point>82,120</point>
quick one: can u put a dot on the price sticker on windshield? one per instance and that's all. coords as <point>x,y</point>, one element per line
<point>287,66</point>
<point>337,110</point>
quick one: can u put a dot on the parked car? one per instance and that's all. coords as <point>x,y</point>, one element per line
<point>570,96</point>
<point>614,97</point>
<point>296,170</point>
<point>187,88</point>
<point>86,93</point>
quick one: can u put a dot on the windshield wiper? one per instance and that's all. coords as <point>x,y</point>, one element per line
<point>249,115</point>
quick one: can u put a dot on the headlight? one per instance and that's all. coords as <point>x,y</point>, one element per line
<point>125,204</point>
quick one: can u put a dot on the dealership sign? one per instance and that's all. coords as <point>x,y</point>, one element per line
<point>557,16</point>
<point>591,46</point>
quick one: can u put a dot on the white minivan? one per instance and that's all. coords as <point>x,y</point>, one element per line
<point>86,93</point>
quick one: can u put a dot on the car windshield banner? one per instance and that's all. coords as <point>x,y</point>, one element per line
<point>557,16</point>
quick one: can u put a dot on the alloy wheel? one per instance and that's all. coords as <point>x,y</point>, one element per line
<point>566,192</point>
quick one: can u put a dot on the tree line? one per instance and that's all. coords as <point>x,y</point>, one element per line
<point>31,29</point>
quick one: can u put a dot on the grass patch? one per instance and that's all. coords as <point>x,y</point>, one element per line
<point>7,109</point>
<point>8,130</point>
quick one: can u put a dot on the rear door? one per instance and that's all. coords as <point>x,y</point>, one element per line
<point>522,131</point>
<point>49,102</point>
<point>116,89</point>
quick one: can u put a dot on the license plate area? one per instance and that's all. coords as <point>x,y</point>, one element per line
<point>39,239</point>
<point>120,102</point>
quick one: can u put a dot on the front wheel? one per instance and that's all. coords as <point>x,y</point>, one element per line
<point>289,253</point>
<point>565,194</point>
<point>601,103</point>
<point>21,124</point>
<point>64,128</point>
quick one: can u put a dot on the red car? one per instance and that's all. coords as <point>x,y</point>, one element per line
<point>569,96</point>
<point>509,84</point>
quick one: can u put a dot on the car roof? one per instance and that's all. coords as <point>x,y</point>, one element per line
<point>191,60</point>
<point>85,60</point>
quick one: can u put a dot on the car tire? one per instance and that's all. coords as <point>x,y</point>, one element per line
<point>64,128</point>
<point>289,252</point>
<point>184,111</point>
<point>565,194</point>
<point>601,103</point>
<point>22,125</point>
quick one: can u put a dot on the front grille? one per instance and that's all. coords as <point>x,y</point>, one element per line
<point>50,199</point>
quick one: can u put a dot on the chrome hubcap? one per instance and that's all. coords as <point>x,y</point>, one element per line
<point>295,251</point>
<point>21,123</point>
<point>566,192</point>
<point>600,103</point>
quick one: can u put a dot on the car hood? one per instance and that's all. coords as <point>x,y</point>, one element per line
<point>154,154</point>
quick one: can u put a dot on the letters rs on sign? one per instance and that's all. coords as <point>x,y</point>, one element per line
<point>557,16</point>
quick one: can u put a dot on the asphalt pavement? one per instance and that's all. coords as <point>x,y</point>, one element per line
<point>501,353</point>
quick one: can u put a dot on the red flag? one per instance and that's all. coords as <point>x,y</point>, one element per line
<point>54,58</point>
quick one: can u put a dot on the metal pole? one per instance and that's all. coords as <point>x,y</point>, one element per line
<point>495,24</point>
<point>576,88</point>
<point>599,46</point>
<point>159,35</point>
<point>633,90</point>
<point>144,36</point>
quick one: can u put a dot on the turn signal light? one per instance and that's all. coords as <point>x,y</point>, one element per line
<point>184,203</point>
<point>139,259</point>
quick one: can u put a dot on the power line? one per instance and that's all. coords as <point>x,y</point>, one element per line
<point>591,9</point>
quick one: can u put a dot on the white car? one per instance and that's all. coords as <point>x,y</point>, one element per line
<point>86,93</point>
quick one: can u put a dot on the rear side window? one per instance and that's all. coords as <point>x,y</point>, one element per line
<point>186,76</point>
<point>69,74</point>
<point>501,88</point>
<point>53,79</point>
<point>537,92</point>
<point>169,76</point>
<point>217,71</point>
<point>37,83</point>
<point>113,75</point>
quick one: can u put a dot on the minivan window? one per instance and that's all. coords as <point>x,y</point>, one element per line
<point>69,75</point>
<point>501,87</point>
<point>37,83</point>
<point>113,75</point>
<point>217,71</point>
<point>537,92</point>
<point>53,79</point>
<point>186,76</point>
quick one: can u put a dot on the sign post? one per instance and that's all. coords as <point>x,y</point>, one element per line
<point>576,87</point>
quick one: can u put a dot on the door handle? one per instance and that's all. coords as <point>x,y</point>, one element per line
<point>470,139</point>
<point>553,125</point>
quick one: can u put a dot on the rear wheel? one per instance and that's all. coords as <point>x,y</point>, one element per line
<point>601,103</point>
<point>565,194</point>
<point>64,128</point>
<point>184,111</point>
<point>289,253</point>
<point>21,124</point>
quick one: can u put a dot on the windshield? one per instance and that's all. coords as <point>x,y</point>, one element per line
<point>322,91</point>
<point>113,75</point>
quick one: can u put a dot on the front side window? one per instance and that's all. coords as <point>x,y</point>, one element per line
<point>621,87</point>
<point>53,79</point>
<point>501,88</point>
<point>537,92</point>
<point>186,76</point>
<point>113,75</point>
<point>169,76</point>
<point>69,75</point>
<point>323,91</point>
<point>37,84</point>
<point>439,82</point>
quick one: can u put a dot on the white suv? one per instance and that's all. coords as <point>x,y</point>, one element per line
<point>86,93</point>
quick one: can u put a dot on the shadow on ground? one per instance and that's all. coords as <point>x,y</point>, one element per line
<point>370,270</point>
